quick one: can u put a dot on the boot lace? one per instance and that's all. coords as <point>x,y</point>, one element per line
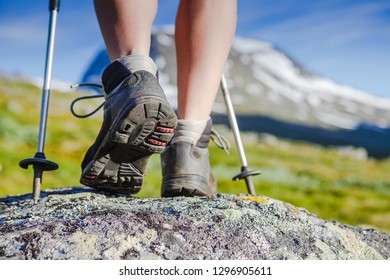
<point>220,141</point>
<point>100,95</point>
<point>82,116</point>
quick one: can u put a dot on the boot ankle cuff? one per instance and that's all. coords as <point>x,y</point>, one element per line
<point>113,75</point>
<point>204,140</point>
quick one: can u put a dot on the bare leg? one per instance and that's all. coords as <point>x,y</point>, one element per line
<point>204,33</point>
<point>126,25</point>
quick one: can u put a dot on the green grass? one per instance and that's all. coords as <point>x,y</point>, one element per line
<point>324,181</point>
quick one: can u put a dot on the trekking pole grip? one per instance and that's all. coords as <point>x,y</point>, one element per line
<point>54,5</point>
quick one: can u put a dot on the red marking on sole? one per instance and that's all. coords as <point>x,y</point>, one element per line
<point>165,129</point>
<point>89,176</point>
<point>156,142</point>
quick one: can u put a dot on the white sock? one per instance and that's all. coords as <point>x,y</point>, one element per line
<point>136,62</point>
<point>189,131</point>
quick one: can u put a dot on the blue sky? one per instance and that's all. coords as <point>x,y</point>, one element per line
<point>345,40</point>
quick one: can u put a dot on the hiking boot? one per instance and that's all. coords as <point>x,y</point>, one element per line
<point>186,168</point>
<point>138,122</point>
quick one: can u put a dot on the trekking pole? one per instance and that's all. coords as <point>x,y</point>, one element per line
<point>39,161</point>
<point>245,173</point>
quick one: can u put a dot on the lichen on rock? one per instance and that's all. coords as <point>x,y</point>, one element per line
<point>80,223</point>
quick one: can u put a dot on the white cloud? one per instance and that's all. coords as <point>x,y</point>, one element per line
<point>29,30</point>
<point>332,25</point>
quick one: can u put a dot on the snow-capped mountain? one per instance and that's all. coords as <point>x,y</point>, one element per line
<point>265,84</point>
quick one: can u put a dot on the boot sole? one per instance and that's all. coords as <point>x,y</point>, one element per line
<point>140,130</point>
<point>187,185</point>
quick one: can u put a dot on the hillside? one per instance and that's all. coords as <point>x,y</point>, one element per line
<point>339,184</point>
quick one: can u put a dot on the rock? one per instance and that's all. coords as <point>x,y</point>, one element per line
<point>79,223</point>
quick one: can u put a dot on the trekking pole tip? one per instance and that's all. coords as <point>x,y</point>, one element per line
<point>39,164</point>
<point>246,174</point>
